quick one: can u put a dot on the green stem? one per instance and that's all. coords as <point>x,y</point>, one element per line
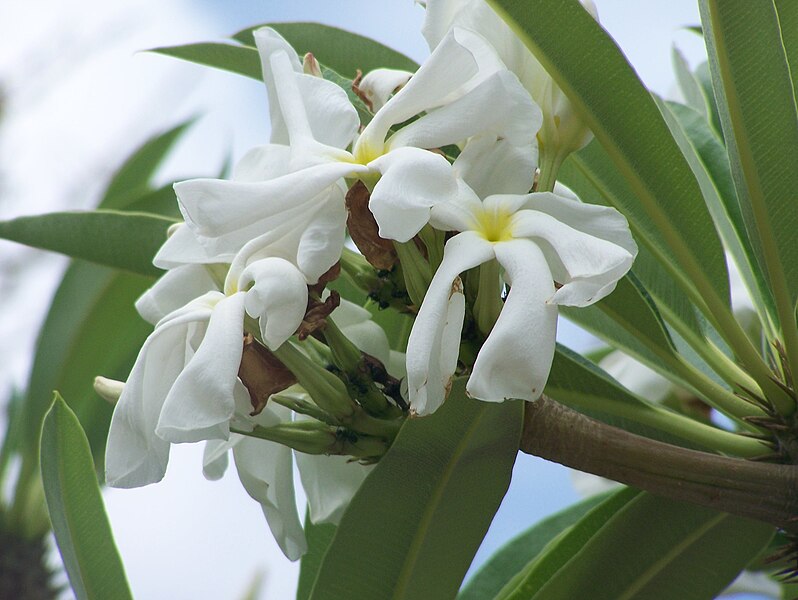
<point>667,421</point>
<point>327,391</point>
<point>415,269</point>
<point>549,166</point>
<point>488,304</point>
<point>720,363</point>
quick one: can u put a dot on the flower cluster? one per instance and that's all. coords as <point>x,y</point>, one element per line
<point>446,164</point>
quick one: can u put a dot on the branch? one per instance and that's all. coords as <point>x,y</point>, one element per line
<point>756,490</point>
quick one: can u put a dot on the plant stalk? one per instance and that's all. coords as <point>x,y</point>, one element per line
<point>756,490</point>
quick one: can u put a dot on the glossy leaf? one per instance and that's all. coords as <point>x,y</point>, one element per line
<point>319,538</point>
<point>341,50</point>
<point>593,176</point>
<point>562,549</point>
<point>629,320</point>
<point>752,78</point>
<point>131,180</point>
<point>414,526</point>
<point>80,523</point>
<point>657,549</point>
<point>708,158</point>
<point>665,204</point>
<point>122,240</point>
<point>688,84</point>
<point>515,554</point>
<point>92,328</point>
<point>244,60</point>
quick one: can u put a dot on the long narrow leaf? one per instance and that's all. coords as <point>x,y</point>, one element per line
<point>319,538</point>
<point>131,179</point>
<point>122,240</point>
<point>515,554</point>
<point>415,524</point>
<point>753,80</point>
<point>658,549</point>
<point>593,176</point>
<point>90,327</point>
<point>561,550</point>
<point>710,163</point>
<point>666,205</point>
<point>76,509</point>
<point>244,60</point>
<point>341,50</point>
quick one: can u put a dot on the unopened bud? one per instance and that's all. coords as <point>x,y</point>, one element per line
<point>108,389</point>
<point>310,66</point>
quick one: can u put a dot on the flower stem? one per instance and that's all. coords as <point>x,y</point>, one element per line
<point>756,490</point>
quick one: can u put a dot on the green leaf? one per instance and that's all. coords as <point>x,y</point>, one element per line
<point>591,174</point>
<point>710,163</point>
<point>691,89</point>
<point>581,385</point>
<point>244,60</point>
<point>657,549</point>
<point>752,78</point>
<point>122,240</point>
<point>92,328</point>
<point>319,538</point>
<point>629,320</point>
<point>76,509</point>
<point>515,554</point>
<point>132,179</point>
<point>665,204</point>
<point>563,548</point>
<point>341,50</point>
<point>414,526</point>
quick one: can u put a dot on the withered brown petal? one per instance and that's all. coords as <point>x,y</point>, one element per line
<point>262,374</point>
<point>364,230</point>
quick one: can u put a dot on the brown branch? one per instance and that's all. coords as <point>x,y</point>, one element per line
<point>763,491</point>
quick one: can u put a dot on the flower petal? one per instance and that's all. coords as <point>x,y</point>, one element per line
<point>266,472</point>
<point>499,105</point>
<point>412,182</point>
<point>174,289</point>
<point>378,85</point>
<point>278,298</point>
<point>322,241</point>
<point>225,215</point>
<point>263,163</point>
<point>325,113</point>
<point>459,63</point>
<point>492,165</point>
<point>200,404</point>
<point>182,247</point>
<point>435,338</point>
<point>214,458</point>
<point>588,267</point>
<point>134,454</point>
<point>603,222</point>
<point>329,483</point>
<point>515,360</point>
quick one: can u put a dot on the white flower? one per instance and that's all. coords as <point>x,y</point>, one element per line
<point>287,199</point>
<point>538,239</point>
<point>563,130</point>
<point>181,386</point>
<point>380,84</point>
<point>266,471</point>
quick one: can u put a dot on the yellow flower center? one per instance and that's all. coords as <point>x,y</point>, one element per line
<point>494,224</point>
<point>365,152</point>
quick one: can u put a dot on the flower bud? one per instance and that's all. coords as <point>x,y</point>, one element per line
<point>108,389</point>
